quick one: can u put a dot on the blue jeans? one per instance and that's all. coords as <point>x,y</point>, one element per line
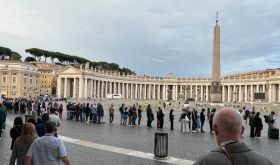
<point>81,116</point>
<point>122,118</point>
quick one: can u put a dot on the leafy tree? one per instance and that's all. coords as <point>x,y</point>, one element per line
<point>15,56</point>
<point>30,59</point>
<point>4,52</point>
<point>35,52</point>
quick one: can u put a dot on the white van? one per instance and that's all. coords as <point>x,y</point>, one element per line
<point>113,96</point>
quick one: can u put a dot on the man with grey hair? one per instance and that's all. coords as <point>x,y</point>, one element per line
<point>227,126</point>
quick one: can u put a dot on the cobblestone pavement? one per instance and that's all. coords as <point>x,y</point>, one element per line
<point>181,145</point>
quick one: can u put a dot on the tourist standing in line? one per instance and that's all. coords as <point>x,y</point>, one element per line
<point>47,149</point>
<point>271,122</point>
<point>130,116</point>
<point>121,109</point>
<point>160,117</point>
<point>77,111</point>
<point>2,118</point>
<point>134,115</point>
<point>16,130</point>
<point>87,111</point>
<point>211,117</point>
<point>251,124</point>
<point>171,119</point>
<point>125,115</point>
<point>111,114</point>
<point>41,128</point>
<point>99,113</point>
<point>60,110</point>
<point>53,117</point>
<point>94,112</point>
<point>258,125</point>
<point>139,115</point>
<point>22,144</point>
<point>194,120</point>
<point>91,113</point>
<point>228,129</point>
<point>150,116</point>
<point>202,119</point>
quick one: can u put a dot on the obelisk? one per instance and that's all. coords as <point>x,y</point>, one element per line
<point>216,88</point>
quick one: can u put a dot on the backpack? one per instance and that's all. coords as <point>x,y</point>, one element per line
<point>267,119</point>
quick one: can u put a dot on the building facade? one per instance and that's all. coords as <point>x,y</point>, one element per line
<point>18,79</point>
<point>84,82</point>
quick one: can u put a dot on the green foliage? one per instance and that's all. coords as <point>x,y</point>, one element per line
<point>4,52</point>
<point>15,56</point>
<point>29,59</point>
<point>65,59</point>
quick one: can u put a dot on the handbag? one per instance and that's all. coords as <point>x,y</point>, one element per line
<point>187,119</point>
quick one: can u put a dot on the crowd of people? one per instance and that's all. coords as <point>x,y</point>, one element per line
<point>45,118</point>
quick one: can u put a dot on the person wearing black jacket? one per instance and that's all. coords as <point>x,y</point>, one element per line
<point>202,119</point>
<point>16,130</point>
<point>87,111</point>
<point>251,124</point>
<point>150,116</point>
<point>258,124</point>
<point>160,117</point>
<point>139,115</point>
<point>171,119</point>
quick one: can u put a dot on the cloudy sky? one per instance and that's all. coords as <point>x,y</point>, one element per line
<point>151,37</point>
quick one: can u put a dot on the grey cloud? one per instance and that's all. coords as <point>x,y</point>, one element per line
<point>150,37</point>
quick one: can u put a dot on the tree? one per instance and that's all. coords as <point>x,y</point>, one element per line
<point>30,59</point>
<point>35,52</point>
<point>15,56</point>
<point>4,52</point>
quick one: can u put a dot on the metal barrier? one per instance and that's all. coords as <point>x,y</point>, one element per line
<point>161,145</point>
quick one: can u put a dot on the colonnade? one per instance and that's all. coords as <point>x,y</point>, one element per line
<point>96,84</point>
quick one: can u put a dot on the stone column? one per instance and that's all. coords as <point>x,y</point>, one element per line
<point>270,93</point>
<point>106,88</point>
<point>102,89</point>
<point>81,87</point>
<point>264,88</point>
<point>246,93</point>
<point>145,92</point>
<point>119,88</point>
<point>158,92</point>
<point>110,88</point>
<point>196,93</point>
<point>229,100</point>
<point>123,93</point>
<point>223,93</point>
<point>91,88</point>
<point>58,92</point>
<point>97,88</point>
<point>191,96</point>
<point>149,91</point>
<point>252,95</point>
<point>126,90</point>
<point>140,91</point>
<point>94,88</point>
<point>86,88</point>
<point>131,91</point>
<point>240,93</point>
<point>201,93</point>
<point>154,91</point>
<point>257,88</point>
<point>207,92</point>
<point>115,88</point>
<point>65,87</point>
<point>278,92</point>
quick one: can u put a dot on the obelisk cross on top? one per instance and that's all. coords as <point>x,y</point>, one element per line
<point>216,87</point>
<point>216,71</point>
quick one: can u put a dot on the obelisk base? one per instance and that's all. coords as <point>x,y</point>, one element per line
<point>216,92</point>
